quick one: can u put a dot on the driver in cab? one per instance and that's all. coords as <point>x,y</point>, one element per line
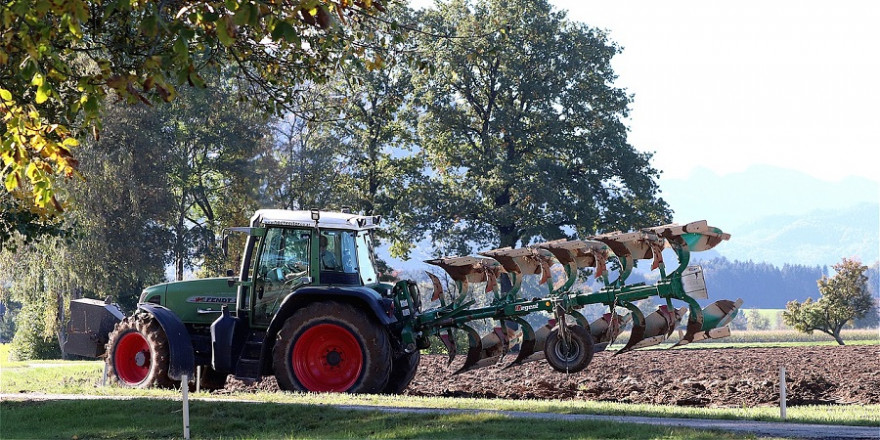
<point>328,259</point>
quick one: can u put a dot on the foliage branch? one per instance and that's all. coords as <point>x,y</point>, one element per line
<point>61,60</point>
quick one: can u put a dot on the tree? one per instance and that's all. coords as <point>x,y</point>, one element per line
<point>350,141</point>
<point>116,245</point>
<point>844,297</point>
<point>212,143</point>
<point>62,59</point>
<point>523,131</point>
<point>303,170</point>
<point>44,289</point>
<point>366,114</point>
<point>756,321</point>
<point>191,160</point>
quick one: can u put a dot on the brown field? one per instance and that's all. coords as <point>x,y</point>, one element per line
<point>708,377</point>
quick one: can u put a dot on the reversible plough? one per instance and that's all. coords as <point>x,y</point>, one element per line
<point>570,347</point>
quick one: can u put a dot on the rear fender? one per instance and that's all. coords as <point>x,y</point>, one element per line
<point>363,298</point>
<point>182,361</point>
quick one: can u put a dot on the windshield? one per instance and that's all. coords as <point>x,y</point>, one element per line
<point>366,258</point>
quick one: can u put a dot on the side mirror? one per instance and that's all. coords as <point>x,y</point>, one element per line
<point>224,245</point>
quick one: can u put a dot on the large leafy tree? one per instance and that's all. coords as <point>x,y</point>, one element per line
<point>350,143</point>
<point>523,129</point>
<point>213,143</point>
<point>367,114</point>
<point>845,297</point>
<point>303,169</point>
<point>61,60</point>
<point>117,244</point>
<point>155,196</point>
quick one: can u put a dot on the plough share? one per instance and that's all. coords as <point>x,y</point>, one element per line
<point>568,340</point>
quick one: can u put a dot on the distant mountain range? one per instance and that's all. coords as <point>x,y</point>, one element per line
<point>782,216</point>
<point>820,237</point>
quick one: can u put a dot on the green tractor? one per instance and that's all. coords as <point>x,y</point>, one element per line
<point>308,308</point>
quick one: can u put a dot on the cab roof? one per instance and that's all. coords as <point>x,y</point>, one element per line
<point>326,219</point>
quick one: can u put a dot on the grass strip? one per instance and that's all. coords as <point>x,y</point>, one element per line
<point>83,378</point>
<point>147,419</point>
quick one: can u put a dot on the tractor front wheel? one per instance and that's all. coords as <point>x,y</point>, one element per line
<point>572,354</point>
<point>403,370</point>
<point>330,346</point>
<point>138,353</point>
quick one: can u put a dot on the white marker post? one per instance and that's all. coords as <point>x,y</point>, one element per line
<point>184,386</point>
<point>782,398</point>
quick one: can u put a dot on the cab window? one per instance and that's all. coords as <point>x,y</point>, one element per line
<point>338,257</point>
<point>366,258</point>
<point>283,266</point>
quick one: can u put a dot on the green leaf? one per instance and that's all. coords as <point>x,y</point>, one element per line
<point>11,181</point>
<point>91,104</point>
<point>180,47</point>
<point>5,95</point>
<point>283,30</point>
<point>223,33</point>
<point>196,80</point>
<point>42,93</point>
<point>74,27</point>
<point>242,15</point>
<point>149,26</point>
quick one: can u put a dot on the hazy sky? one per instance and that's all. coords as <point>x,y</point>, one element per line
<point>724,85</point>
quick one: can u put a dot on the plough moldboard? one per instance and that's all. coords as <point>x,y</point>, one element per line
<point>570,347</point>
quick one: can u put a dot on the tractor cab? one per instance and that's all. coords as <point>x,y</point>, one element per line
<point>289,250</point>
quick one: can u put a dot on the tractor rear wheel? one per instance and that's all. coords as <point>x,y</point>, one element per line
<point>572,355</point>
<point>403,370</point>
<point>331,346</point>
<point>138,353</point>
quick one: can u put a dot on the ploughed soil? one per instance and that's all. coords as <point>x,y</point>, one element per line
<point>690,377</point>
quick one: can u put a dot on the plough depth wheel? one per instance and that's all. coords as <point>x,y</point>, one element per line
<point>569,353</point>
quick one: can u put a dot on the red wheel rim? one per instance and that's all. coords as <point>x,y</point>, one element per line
<point>327,357</point>
<point>132,358</point>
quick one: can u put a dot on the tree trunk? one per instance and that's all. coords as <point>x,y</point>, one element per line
<point>837,337</point>
<point>179,243</point>
<point>62,325</point>
<point>508,236</point>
